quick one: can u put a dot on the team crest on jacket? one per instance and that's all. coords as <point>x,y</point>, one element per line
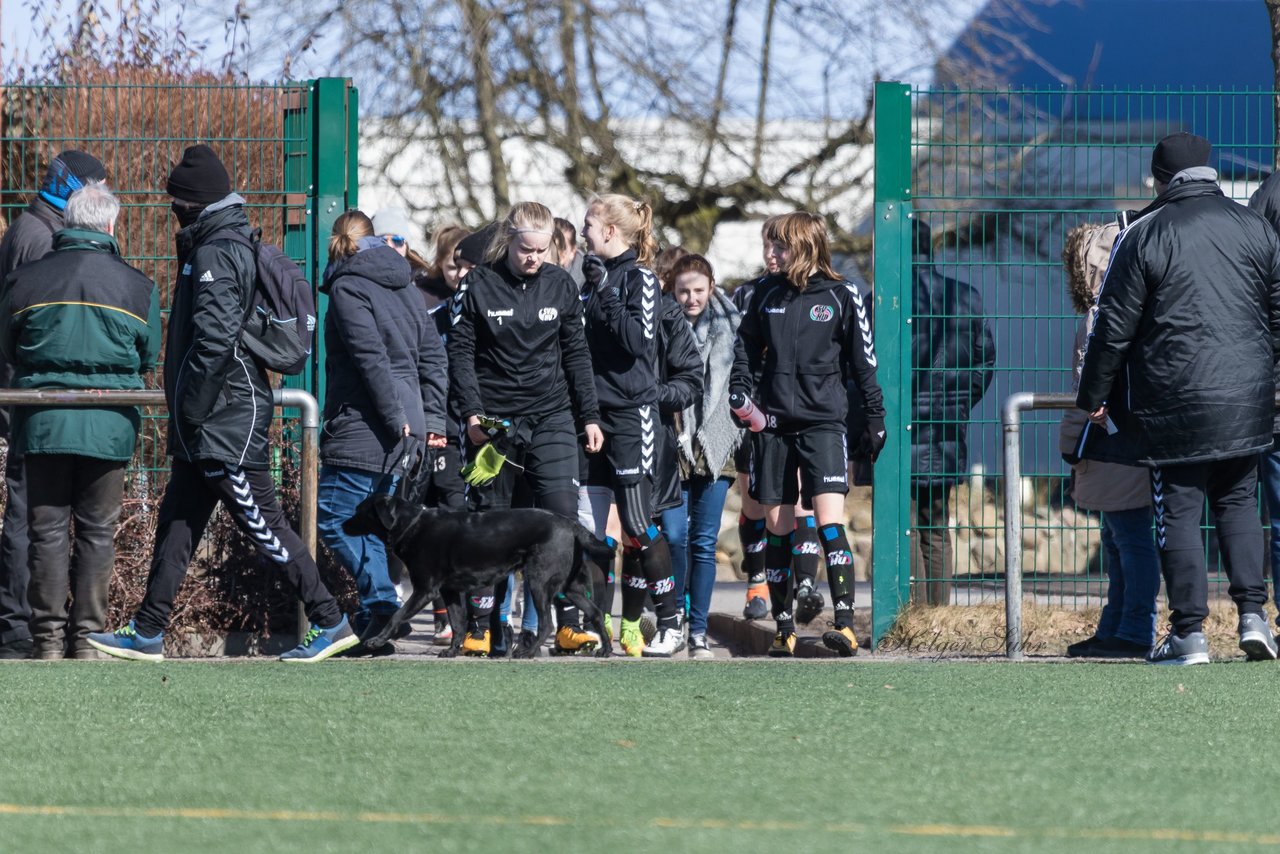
<point>821,313</point>
<point>548,314</point>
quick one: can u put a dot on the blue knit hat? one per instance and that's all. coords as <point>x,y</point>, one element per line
<point>68,172</point>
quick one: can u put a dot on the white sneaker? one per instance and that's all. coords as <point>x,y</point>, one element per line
<point>666,643</point>
<point>444,637</point>
<point>698,648</point>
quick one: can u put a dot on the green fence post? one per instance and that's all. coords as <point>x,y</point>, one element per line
<point>891,550</point>
<point>296,212</point>
<point>334,108</point>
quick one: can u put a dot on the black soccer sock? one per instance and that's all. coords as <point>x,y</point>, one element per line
<point>751,535</point>
<point>479,609</point>
<point>634,587</point>
<point>495,612</point>
<point>839,572</point>
<point>777,562</point>
<point>805,550</point>
<point>602,580</point>
<point>655,561</point>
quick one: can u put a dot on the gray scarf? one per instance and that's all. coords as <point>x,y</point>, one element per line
<point>707,422</point>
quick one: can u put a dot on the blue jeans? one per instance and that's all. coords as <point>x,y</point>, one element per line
<point>529,616</point>
<point>675,528</point>
<point>1270,478</point>
<point>705,499</point>
<point>1133,575</point>
<point>340,491</point>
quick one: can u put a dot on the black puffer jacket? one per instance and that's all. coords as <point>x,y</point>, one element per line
<point>953,357</point>
<point>1266,201</point>
<point>1184,346</point>
<point>384,361</point>
<point>219,398</point>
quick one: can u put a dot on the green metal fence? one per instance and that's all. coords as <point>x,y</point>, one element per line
<point>289,147</point>
<point>1000,177</point>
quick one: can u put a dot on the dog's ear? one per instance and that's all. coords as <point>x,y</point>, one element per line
<point>384,506</point>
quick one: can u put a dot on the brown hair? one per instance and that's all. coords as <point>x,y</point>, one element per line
<point>348,228</point>
<point>690,264</point>
<point>447,239</point>
<point>662,265</point>
<point>805,234</point>
<point>524,216</point>
<point>633,218</point>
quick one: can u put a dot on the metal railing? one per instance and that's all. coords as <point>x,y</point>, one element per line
<point>286,398</point>
<point>1011,420</point>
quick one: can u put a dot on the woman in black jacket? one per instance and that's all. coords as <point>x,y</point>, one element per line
<point>805,333</point>
<point>385,370</point>
<point>517,352</point>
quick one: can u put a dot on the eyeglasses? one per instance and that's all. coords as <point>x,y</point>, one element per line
<point>395,240</point>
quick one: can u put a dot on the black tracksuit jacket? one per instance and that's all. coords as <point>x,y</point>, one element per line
<point>516,346</point>
<point>803,346</point>
<point>622,334</point>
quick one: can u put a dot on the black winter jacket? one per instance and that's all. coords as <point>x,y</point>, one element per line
<point>219,398</point>
<point>1266,201</point>
<point>384,361</point>
<point>1183,350</point>
<point>679,364</point>
<point>516,346</point>
<point>28,239</point>
<point>953,357</point>
<point>804,346</point>
<point>622,319</point>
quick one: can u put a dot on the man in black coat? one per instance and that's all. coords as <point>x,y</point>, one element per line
<point>29,238</point>
<point>1181,361</point>
<point>953,358</point>
<point>220,409</point>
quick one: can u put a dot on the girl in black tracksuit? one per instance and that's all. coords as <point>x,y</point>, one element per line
<point>516,351</point>
<point>805,333</point>
<point>623,301</point>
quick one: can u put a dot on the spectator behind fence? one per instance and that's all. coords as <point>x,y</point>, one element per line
<point>953,357</point>
<point>28,238</point>
<point>220,408</point>
<point>386,376</point>
<point>1127,625</point>
<point>78,318</point>
<point>1181,360</point>
<point>707,435</point>
<point>1266,201</point>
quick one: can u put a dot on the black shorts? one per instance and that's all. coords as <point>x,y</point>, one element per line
<point>820,455</point>
<point>631,447</point>
<point>546,448</point>
<point>742,456</point>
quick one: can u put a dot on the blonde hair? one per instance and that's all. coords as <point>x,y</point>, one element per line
<point>524,216</point>
<point>348,228</point>
<point>447,239</point>
<point>633,218</point>
<point>805,234</point>
<point>1085,254</point>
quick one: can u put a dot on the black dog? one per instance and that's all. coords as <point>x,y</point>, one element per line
<point>456,552</point>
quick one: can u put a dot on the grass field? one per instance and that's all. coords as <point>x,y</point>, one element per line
<point>637,756</point>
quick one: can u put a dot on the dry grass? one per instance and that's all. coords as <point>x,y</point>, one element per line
<point>965,631</point>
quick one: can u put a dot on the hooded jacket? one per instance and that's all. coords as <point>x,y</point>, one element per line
<point>1266,201</point>
<point>1183,349</point>
<point>803,346</point>
<point>623,315</point>
<point>79,318</point>
<point>384,361</point>
<point>516,346</point>
<point>219,398</point>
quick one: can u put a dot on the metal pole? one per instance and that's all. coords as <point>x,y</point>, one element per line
<point>1011,419</point>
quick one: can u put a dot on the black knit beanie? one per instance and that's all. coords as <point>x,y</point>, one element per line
<point>200,178</point>
<point>68,172</point>
<point>1176,152</point>
<point>473,247</point>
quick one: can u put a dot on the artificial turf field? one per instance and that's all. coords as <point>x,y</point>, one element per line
<point>637,756</point>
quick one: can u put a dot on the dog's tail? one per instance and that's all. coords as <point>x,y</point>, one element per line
<point>596,548</point>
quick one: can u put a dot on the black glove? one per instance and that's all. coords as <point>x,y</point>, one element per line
<point>872,441</point>
<point>594,271</point>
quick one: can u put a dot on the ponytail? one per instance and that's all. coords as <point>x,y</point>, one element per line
<point>347,230</point>
<point>633,218</point>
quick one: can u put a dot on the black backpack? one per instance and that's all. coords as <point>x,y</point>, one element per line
<point>281,321</point>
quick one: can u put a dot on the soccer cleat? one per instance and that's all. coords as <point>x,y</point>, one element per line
<point>698,648</point>
<point>125,642</point>
<point>443,636</point>
<point>1256,639</point>
<point>608,626</point>
<point>572,639</point>
<point>476,643</point>
<point>842,640</point>
<point>319,644</point>
<point>631,639</point>
<point>757,607</point>
<point>1192,649</point>
<point>784,645</point>
<point>666,643</point>
<point>648,627</point>
<point>809,602</point>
